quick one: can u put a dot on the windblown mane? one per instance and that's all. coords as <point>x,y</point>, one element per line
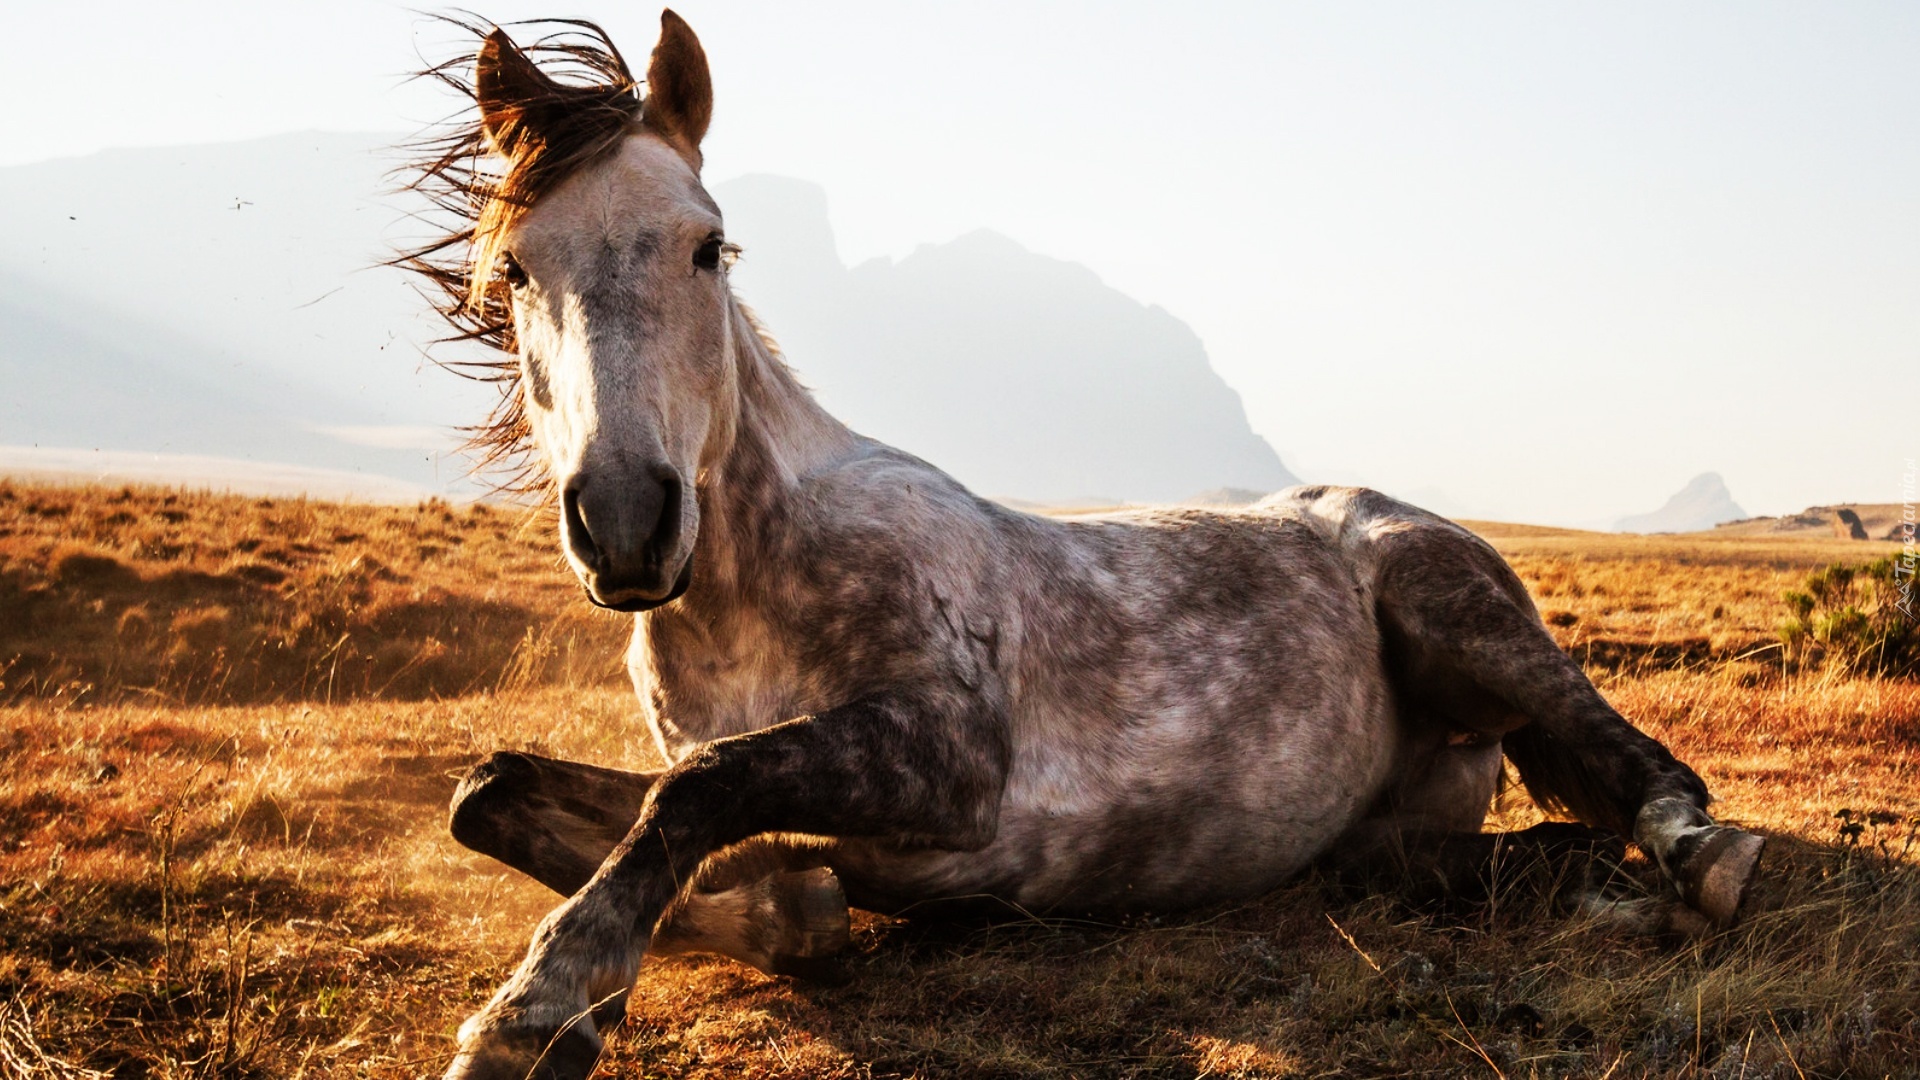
<point>478,186</point>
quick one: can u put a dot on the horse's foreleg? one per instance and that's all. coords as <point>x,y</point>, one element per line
<point>1469,648</point>
<point>919,771</point>
<point>770,905</point>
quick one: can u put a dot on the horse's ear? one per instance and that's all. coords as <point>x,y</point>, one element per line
<point>679,89</point>
<point>505,82</point>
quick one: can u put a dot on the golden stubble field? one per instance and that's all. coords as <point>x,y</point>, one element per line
<point>230,728</point>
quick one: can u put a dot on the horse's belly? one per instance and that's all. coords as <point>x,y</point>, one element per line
<point>1220,815</point>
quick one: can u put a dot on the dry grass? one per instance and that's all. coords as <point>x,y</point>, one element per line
<point>1626,603</point>
<point>201,599</point>
<point>257,882</point>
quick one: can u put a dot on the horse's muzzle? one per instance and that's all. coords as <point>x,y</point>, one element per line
<point>641,603</point>
<point>623,532</point>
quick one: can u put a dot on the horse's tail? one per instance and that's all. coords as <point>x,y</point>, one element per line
<point>1558,777</point>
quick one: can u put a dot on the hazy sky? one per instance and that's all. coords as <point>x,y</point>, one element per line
<point>1535,261</point>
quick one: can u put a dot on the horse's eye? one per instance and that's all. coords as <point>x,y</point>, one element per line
<point>707,257</point>
<point>510,270</point>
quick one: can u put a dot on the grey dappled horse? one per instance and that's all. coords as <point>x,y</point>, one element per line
<point>866,677</point>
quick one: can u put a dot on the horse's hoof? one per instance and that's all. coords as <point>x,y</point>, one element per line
<point>489,1063</point>
<point>1714,877</point>
<point>523,1055</point>
<point>813,918</point>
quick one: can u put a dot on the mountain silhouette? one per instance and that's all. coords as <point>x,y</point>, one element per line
<point>1702,504</point>
<point>1021,374</point>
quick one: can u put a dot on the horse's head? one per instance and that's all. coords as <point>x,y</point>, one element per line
<point>607,254</point>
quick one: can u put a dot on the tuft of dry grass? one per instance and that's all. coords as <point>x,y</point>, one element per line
<point>258,882</point>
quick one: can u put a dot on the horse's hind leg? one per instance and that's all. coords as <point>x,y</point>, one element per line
<point>1423,843</point>
<point>771,905</point>
<point>1467,648</point>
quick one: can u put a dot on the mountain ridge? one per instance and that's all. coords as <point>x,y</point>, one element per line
<point>1090,390</point>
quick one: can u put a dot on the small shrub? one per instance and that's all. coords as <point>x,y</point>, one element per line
<point>1854,618</point>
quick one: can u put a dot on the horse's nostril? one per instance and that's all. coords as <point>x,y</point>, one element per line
<point>577,536</point>
<point>666,527</point>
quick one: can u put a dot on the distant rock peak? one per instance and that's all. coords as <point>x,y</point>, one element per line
<point>1703,503</point>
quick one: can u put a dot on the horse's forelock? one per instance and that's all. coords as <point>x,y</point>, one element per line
<point>479,183</point>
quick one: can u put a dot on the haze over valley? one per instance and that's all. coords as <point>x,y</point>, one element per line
<point>149,315</point>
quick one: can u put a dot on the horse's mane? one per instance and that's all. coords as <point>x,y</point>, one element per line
<point>478,186</point>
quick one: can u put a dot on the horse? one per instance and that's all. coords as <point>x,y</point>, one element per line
<point>877,689</point>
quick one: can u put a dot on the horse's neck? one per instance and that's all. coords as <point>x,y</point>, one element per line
<point>777,424</point>
<point>779,435</point>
